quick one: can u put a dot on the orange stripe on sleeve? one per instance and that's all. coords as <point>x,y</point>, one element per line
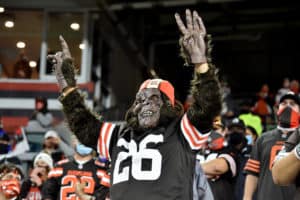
<point>253,165</point>
<point>106,139</point>
<point>251,169</point>
<point>195,138</point>
<point>255,162</point>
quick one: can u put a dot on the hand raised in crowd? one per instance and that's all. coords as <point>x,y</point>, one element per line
<point>38,175</point>
<point>79,190</point>
<point>192,42</point>
<point>63,66</point>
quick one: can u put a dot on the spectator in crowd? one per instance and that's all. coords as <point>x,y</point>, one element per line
<point>229,108</point>
<point>294,86</point>
<point>285,89</point>
<point>155,127</point>
<point>249,118</point>
<point>262,106</point>
<point>238,126</point>
<point>56,147</point>
<point>286,167</point>
<point>81,168</point>
<point>221,162</point>
<point>32,187</point>
<point>22,68</point>
<point>251,135</point>
<point>10,181</point>
<point>259,165</point>
<point>5,144</point>
<point>41,119</point>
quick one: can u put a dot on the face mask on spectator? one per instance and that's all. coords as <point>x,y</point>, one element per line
<point>249,139</point>
<point>288,118</point>
<point>83,150</point>
<point>10,188</point>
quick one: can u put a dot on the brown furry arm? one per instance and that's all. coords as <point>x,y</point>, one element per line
<point>205,89</point>
<point>81,120</point>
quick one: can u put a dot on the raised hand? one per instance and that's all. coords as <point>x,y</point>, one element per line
<point>192,41</point>
<point>63,66</point>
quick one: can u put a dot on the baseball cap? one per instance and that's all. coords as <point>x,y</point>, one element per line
<point>51,133</point>
<point>164,86</point>
<point>236,122</point>
<point>290,95</point>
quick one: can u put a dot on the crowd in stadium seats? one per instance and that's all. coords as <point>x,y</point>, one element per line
<point>234,157</point>
<point>229,158</point>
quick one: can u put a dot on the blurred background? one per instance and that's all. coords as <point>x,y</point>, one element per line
<point>117,44</point>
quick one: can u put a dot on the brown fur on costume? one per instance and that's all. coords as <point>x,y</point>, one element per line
<point>85,124</point>
<point>82,121</point>
<point>206,107</point>
<point>207,84</point>
<point>69,72</point>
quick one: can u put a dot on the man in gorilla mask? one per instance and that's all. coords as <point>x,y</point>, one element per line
<point>153,155</point>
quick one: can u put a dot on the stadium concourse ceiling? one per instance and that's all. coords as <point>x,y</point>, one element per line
<point>92,4</point>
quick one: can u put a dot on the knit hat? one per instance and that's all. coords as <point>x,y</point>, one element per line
<point>43,157</point>
<point>164,86</point>
<point>51,133</point>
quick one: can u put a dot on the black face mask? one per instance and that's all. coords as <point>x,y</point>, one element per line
<point>288,118</point>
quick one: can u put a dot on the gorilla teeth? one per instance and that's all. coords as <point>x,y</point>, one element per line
<point>147,113</point>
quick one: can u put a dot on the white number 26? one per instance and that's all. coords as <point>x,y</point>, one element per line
<point>137,155</point>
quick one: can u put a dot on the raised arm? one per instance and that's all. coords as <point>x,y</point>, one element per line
<point>84,123</point>
<point>205,87</point>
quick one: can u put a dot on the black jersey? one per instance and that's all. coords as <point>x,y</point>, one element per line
<point>158,164</point>
<point>63,177</point>
<point>222,186</point>
<point>289,145</point>
<point>260,164</point>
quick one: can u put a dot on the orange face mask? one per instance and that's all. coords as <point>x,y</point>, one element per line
<point>288,118</point>
<point>10,188</point>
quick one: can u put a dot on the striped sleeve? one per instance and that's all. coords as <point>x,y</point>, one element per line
<point>195,138</point>
<point>252,166</point>
<point>104,139</point>
<point>105,178</point>
<point>55,172</point>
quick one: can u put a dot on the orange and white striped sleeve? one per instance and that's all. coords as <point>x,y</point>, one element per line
<point>194,137</point>
<point>104,139</point>
<point>56,172</point>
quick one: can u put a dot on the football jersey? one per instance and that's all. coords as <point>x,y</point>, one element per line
<point>64,176</point>
<point>156,164</point>
<point>260,164</point>
<point>223,186</point>
<point>289,145</point>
